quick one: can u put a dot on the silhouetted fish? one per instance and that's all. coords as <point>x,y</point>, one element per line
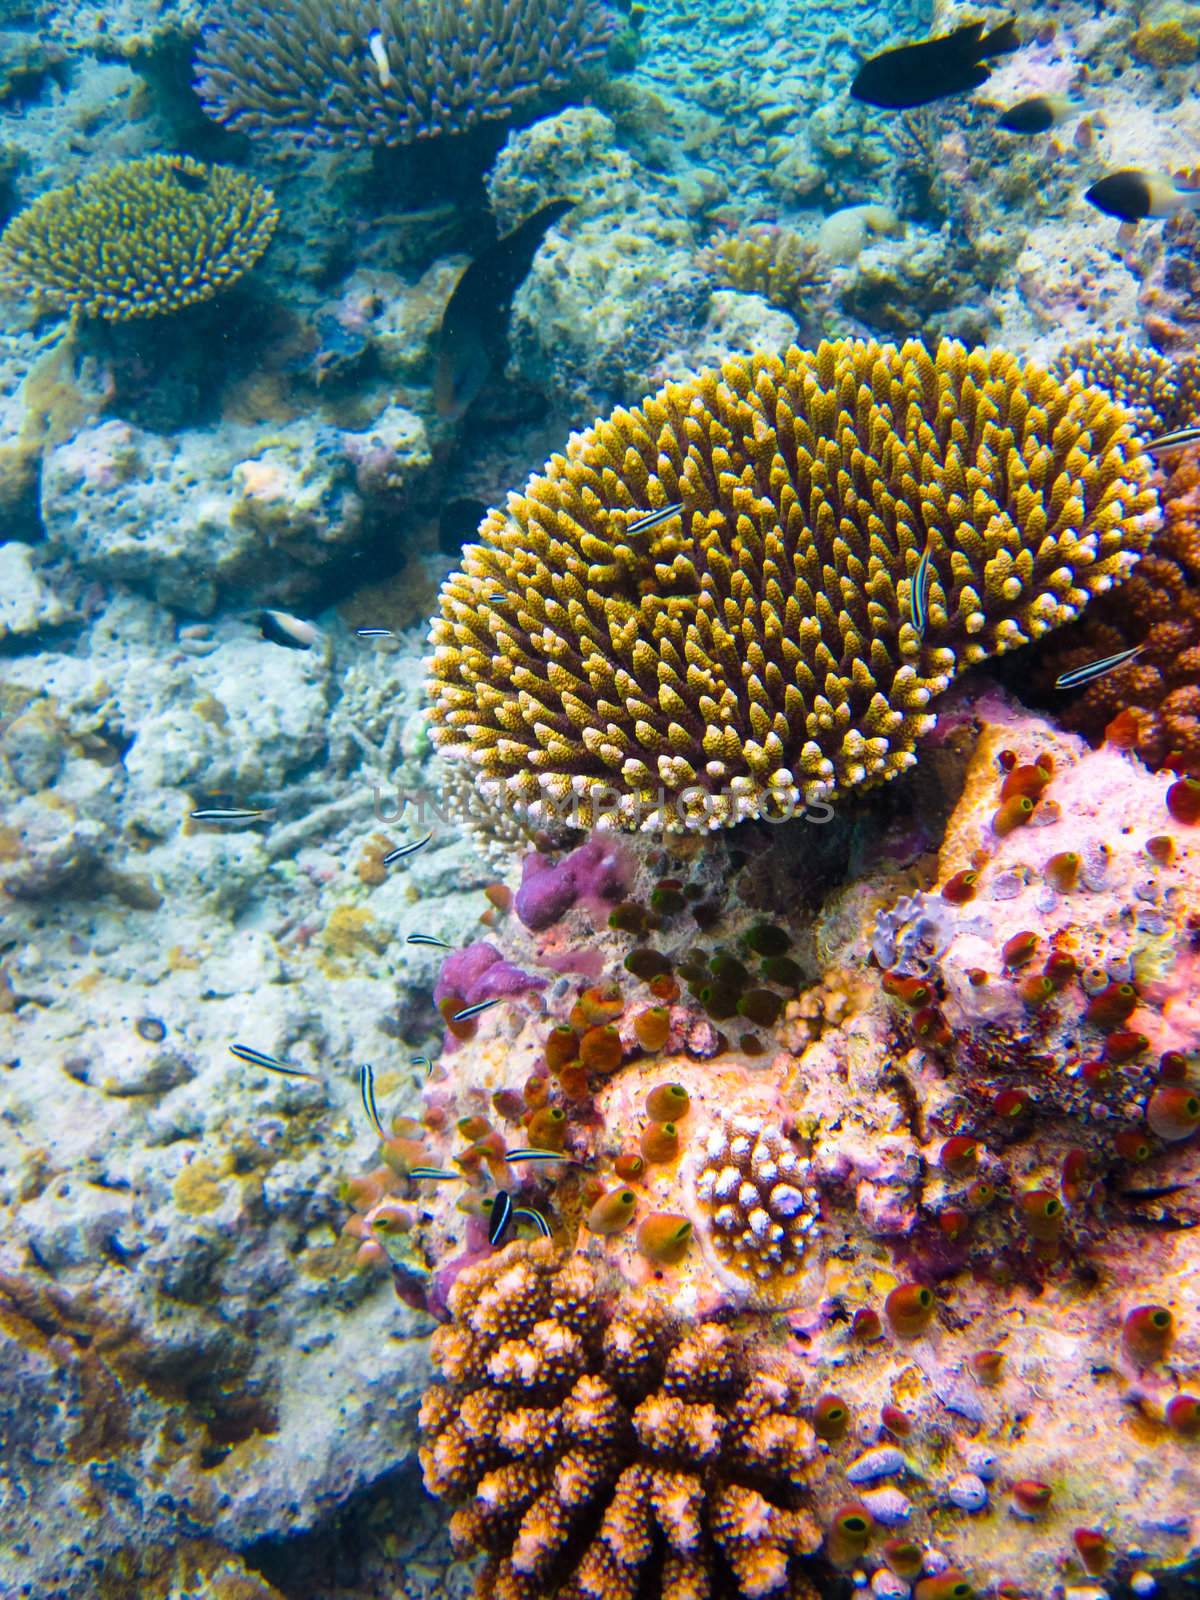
<point>949,63</point>
<point>1038,114</point>
<point>476,316</point>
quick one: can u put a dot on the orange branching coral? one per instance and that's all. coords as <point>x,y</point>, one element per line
<point>1151,703</point>
<point>761,643</point>
<point>601,1453</point>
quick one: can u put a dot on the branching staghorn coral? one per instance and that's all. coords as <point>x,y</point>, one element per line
<point>603,1453</point>
<point>1152,703</point>
<point>770,261</point>
<point>761,648</point>
<point>323,72</point>
<point>139,239</point>
<point>1161,393</point>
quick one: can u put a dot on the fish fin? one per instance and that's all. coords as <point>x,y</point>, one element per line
<point>1002,41</point>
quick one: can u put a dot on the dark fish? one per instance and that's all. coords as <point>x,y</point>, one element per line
<point>1131,195</point>
<point>429,939</point>
<point>228,814</point>
<point>473,1011</point>
<point>1038,114</point>
<point>437,1174</point>
<point>920,591</point>
<point>366,1090</point>
<point>373,633</point>
<point>471,341</point>
<point>393,856</point>
<point>917,74</point>
<point>1178,439</point>
<point>279,627</point>
<point>1078,676</point>
<point>193,182</point>
<point>653,518</point>
<point>501,1216</point>
<point>256,1058</point>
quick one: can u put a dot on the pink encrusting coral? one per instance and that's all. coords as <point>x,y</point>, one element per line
<point>934,1140</point>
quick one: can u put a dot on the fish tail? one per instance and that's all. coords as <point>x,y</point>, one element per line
<point>1002,41</point>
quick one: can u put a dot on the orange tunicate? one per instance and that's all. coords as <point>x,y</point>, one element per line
<point>664,987</point>
<point>536,1092</point>
<point>1147,1333</point>
<point>667,1102</point>
<point>601,1003</point>
<point>500,895</point>
<point>660,1141</point>
<point>572,1080</point>
<point>664,1237</point>
<point>612,1212</point>
<point>909,1309</point>
<point>600,1049</point>
<point>652,1027</point>
<point>548,1128</point>
<point>1013,813</point>
<point>562,1046</point>
<point>1024,781</point>
<point>629,1164</point>
<point>404,1154</point>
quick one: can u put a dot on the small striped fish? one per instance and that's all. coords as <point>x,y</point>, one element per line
<point>406,850</point>
<point>227,814</point>
<point>366,1090</point>
<point>473,1011</point>
<point>1177,439</point>
<point>1078,676</point>
<point>373,633</point>
<point>437,1174</point>
<point>539,1156</point>
<point>653,518</point>
<point>428,939</point>
<point>920,591</point>
<point>257,1058</point>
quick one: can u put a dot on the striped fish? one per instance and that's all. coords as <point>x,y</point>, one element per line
<point>536,1217</point>
<point>437,1174</point>
<point>373,633</point>
<point>473,1011</point>
<point>652,519</point>
<point>428,939</point>
<point>1177,439</point>
<point>501,1216</point>
<point>920,591</point>
<point>540,1155</point>
<point>406,850</point>
<point>256,1058</point>
<point>421,1061</point>
<point>366,1090</point>
<point>1078,676</point>
<point>229,814</point>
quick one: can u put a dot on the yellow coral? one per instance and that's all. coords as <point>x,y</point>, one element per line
<point>770,261</point>
<point>1156,389</point>
<point>603,1453</point>
<point>1165,44</point>
<point>759,650</point>
<point>139,239</point>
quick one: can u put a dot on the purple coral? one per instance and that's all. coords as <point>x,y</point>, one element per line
<point>322,73</point>
<point>479,972</point>
<point>598,871</point>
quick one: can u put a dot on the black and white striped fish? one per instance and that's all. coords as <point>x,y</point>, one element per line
<point>406,850</point>
<point>652,519</point>
<point>473,1011</point>
<point>258,1058</point>
<point>1078,676</point>
<point>366,1090</point>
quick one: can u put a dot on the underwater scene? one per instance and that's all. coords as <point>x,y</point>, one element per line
<point>599,800</point>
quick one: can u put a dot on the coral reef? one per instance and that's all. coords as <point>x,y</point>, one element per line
<point>389,74</point>
<point>595,1450</point>
<point>773,262</point>
<point>139,239</point>
<point>954,1115</point>
<point>1150,703</point>
<point>1162,394</point>
<point>765,646</point>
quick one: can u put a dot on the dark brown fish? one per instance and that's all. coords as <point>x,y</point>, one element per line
<point>475,321</point>
<point>1134,196</point>
<point>917,74</point>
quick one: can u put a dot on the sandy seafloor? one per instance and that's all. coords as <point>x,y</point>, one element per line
<point>175,1289</point>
